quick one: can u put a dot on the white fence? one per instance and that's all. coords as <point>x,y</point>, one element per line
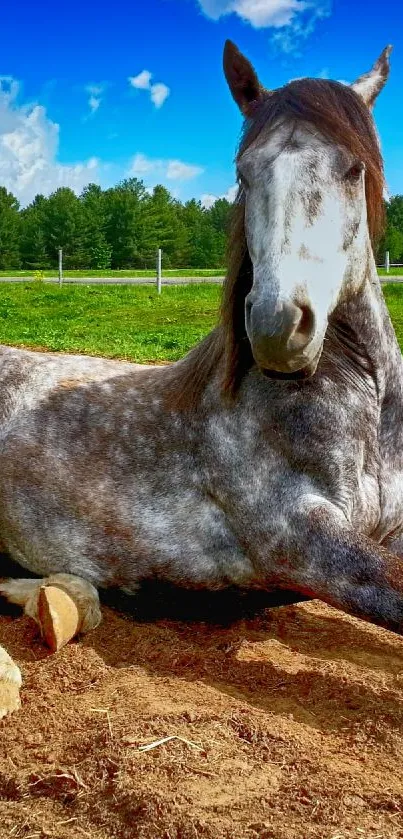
<point>158,269</point>
<point>387,265</point>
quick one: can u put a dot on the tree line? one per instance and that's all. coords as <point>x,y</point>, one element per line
<point>392,241</point>
<point>122,227</point>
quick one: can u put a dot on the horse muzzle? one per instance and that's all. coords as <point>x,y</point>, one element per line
<point>282,339</point>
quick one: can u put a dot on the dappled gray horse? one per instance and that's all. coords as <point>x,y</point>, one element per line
<point>271,456</point>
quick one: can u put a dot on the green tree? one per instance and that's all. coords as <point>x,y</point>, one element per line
<point>203,243</point>
<point>32,235</point>
<point>97,252</point>
<point>63,227</point>
<point>220,215</point>
<point>9,230</point>
<point>164,228</point>
<point>393,242</point>
<point>124,224</point>
<point>394,212</point>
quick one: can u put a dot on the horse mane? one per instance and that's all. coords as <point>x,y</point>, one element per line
<point>341,117</point>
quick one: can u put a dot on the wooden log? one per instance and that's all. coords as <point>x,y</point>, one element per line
<point>10,683</point>
<point>58,617</point>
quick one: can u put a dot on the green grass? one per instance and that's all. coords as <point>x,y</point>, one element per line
<point>130,322</point>
<point>149,273</point>
<point>394,298</point>
<point>123,274</point>
<point>393,272</point>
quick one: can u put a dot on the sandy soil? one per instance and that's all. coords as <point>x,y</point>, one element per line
<point>294,717</point>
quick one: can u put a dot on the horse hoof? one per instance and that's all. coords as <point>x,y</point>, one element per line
<point>58,617</point>
<point>10,683</point>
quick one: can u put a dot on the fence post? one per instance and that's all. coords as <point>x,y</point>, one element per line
<point>387,262</point>
<point>60,266</point>
<point>159,278</point>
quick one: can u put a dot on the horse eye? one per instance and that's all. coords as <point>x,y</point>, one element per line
<point>354,173</point>
<point>242,181</point>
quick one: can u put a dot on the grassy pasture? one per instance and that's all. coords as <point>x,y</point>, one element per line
<point>148,273</point>
<point>130,322</point>
<point>393,272</point>
<point>394,298</point>
<point>123,273</point>
<point>118,321</point>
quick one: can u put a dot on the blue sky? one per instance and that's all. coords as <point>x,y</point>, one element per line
<point>98,91</point>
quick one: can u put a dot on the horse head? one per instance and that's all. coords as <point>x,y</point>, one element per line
<point>311,186</point>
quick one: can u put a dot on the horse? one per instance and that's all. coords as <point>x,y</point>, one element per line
<point>271,456</point>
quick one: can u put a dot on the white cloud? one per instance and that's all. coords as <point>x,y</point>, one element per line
<point>95,92</point>
<point>142,81</point>
<point>178,171</point>
<point>208,199</point>
<point>301,26</point>
<point>94,103</point>
<point>29,143</point>
<point>159,92</point>
<point>293,20</point>
<point>155,170</point>
<point>141,164</point>
<point>259,13</point>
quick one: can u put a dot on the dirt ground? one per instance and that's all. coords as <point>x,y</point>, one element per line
<point>294,718</point>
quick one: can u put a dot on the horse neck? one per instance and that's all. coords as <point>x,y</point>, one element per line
<point>364,325</point>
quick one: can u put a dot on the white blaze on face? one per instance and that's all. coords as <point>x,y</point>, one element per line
<point>304,224</point>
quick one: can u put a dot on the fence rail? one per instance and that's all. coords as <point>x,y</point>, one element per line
<point>158,278</point>
<point>387,264</point>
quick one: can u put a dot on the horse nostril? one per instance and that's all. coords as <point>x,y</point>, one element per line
<point>278,329</point>
<point>303,331</point>
<point>306,325</point>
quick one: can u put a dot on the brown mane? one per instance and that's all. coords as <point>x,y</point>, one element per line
<point>340,116</point>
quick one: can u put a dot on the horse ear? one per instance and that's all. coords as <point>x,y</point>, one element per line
<point>242,79</point>
<point>370,84</point>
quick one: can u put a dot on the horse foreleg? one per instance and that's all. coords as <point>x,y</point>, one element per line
<point>330,561</point>
<point>63,605</point>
